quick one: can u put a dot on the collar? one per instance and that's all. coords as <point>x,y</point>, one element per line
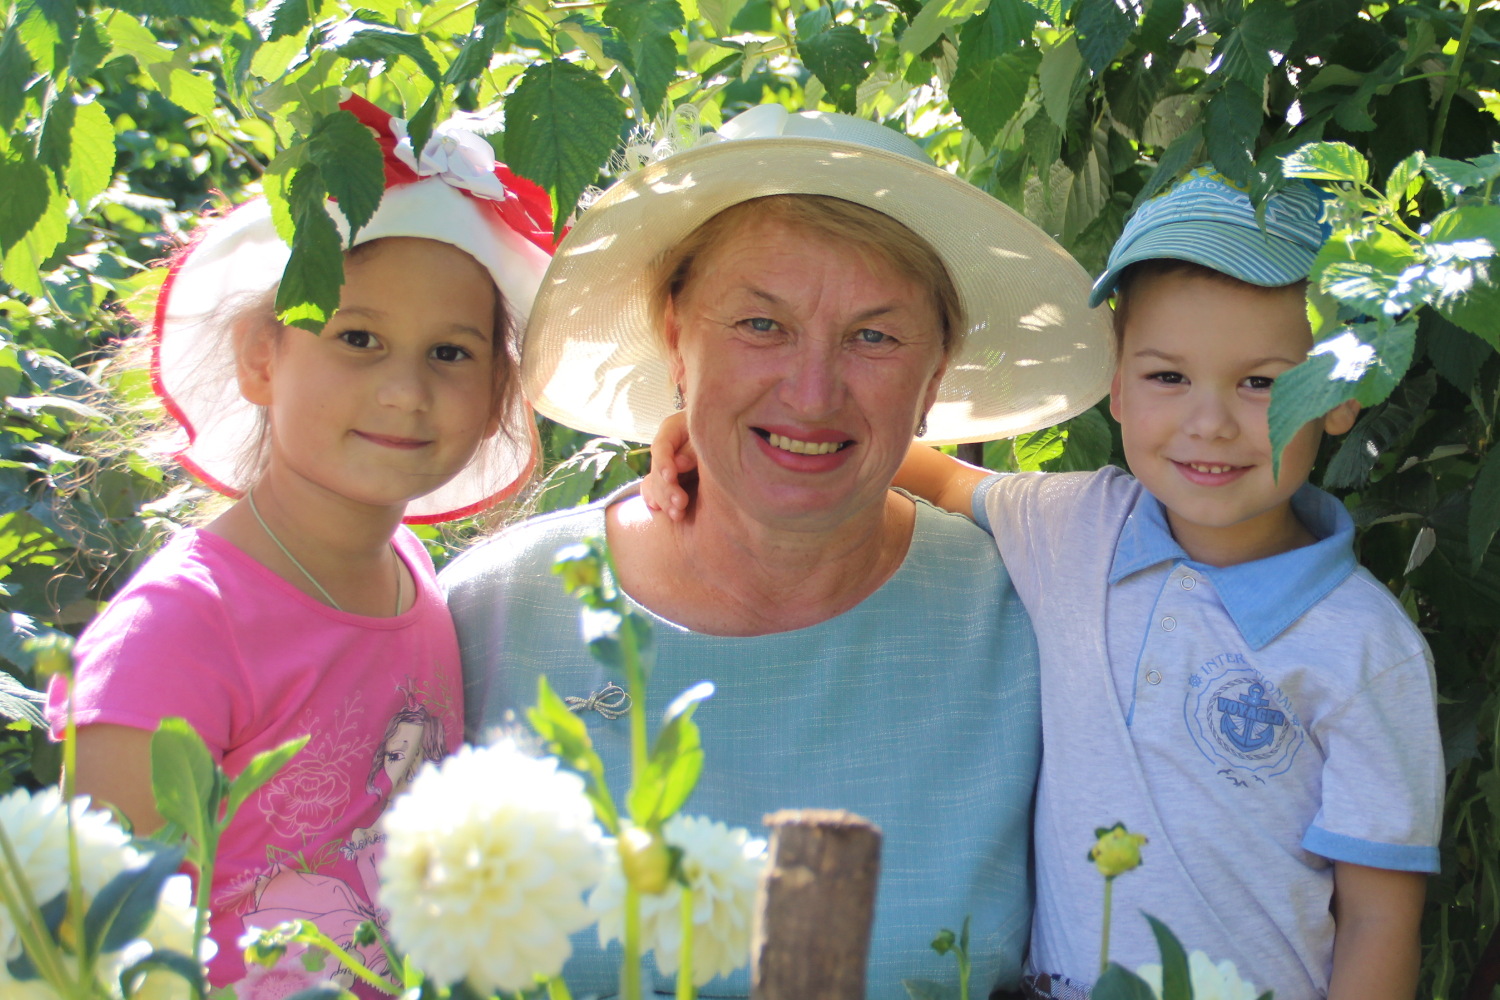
<point>1263,597</point>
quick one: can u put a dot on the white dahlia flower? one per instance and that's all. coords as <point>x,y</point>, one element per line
<point>37,826</point>
<point>487,858</point>
<point>722,867</point>
<point>1210,981</point>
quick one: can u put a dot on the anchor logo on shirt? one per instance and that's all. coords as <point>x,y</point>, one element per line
<point>1249,722</point>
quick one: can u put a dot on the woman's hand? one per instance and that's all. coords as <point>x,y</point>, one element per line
<point>671,457</point>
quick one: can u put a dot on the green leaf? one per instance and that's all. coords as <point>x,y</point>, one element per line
<point>123,909</point>
<point>1088,444</point>
<point>1119,983</point>
<point>567,737</point>
<point>1464,245</point>
<point>419,126</point>
<point>261,769</point>
<point>1484,508</point>
<point>1232,123</point>
<point>349,158</point>
<point>190,90</point>
<point>15,74</point>
<point>561,122</point>
<point>936,17</point>
<point>1326,161</point>
<point>24,261</point>
<point>1454,177</point>
<point>676,760</point>
<point>1378,430</point>
<point>363,41</point>
<point>1032,450</point>
<point>1245,51</point>
<point>23,198</point>
<point>720,14</point>
<point>839,55</point>
<point>1178,156</point>
<point>187,969</point>
<point>994,73</point>
<point>1159,24</point>
<point>184,780</point>
<point>479,48</point>
<point>288,17</point>
<point>93,162</point>
<point>48,28</point>
<point>927,989</point>
<point>647,27</point>
<point>1102,28</point>
<point>1057,77</point>
<point>214,11</point>
<point>309,290</point>
<point>19,702</point>
<point>1404,182</point>
<point>1176,984</point>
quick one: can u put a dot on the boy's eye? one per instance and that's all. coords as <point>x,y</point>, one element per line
<point>1260,383</point>
<point>1167,378</point>
<point>358,338</point>
<point>450,352</point>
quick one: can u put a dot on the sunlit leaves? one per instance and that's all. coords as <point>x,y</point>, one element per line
<point>1266,30</point>
<point>479,48</point>
<point>647,28</point>
<point>48,28</point>
<point>561,123</point>
<point>936,17</point>
<point>839,55</point>
<point>1326,161</point>
<point>309,289</point>
<point>1231,125</point>
<point>23,198</point>
<point>364,41</point>
<point>351,165</point>
<point>994,72</point>
<point>216,11</point>
<point>1102,29</point>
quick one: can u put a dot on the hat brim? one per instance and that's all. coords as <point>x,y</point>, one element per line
<point>1250,255</point>
<point>1033,355</point>
<point>240,256</point>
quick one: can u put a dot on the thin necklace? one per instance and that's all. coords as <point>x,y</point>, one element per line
<point>250,495</point>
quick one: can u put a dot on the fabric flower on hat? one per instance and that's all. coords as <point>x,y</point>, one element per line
<point>456,155</point>
<point>487,859</point>
<point>722,867</point>
<point>1210,981</point>
<point>37,827</point>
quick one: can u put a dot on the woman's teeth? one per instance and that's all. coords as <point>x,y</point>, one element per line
<point>804,447</point>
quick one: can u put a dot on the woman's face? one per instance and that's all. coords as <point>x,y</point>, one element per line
<point>403,755</point>
<point>806,366</point>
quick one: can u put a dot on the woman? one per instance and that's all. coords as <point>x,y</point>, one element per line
<point>812,292</point>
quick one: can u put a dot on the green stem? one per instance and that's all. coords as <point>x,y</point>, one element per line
<point>1455,71</point>
<point>1109,885</point>
<point>26,917</point>
<point>685,988</point>
<point>630,971</point>
<point>963,975</point>
<point>310,934</point>
<point>75,871</point>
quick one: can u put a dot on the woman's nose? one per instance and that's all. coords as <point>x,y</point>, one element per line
<point>812,385</point>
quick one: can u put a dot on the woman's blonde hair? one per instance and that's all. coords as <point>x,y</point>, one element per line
<point>871,234</point>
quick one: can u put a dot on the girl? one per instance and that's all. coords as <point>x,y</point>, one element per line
<point>305,608</point>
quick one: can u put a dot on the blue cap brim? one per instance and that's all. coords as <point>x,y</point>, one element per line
<point>1251,255</point>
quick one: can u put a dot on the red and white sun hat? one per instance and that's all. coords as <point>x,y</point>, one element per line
<point>455,193</point>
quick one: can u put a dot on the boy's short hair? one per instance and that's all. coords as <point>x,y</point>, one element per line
<point>1208,221</point>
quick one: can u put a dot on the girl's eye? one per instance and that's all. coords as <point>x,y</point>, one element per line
<point>450,353</point>
<point>1260,383</point>
<point>358,338</point>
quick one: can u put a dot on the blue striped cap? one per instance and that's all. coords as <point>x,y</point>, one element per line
<point>1205,219</point>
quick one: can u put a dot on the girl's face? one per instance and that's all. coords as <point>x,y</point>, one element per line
<point>391,400</point>
<point>403,755</point>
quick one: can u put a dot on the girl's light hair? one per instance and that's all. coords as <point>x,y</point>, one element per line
<point>873,235</point>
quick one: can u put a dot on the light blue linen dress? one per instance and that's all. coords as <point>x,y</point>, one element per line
<point>917,709</point>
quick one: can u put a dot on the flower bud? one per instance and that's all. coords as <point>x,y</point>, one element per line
<point>1117,850</point>
<point>646,860</point>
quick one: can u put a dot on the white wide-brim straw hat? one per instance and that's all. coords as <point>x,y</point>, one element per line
<point>1033,353</point>
<point>241,256</point>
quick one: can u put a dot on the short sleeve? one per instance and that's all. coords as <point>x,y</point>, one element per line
<point>1383,774</point>
<point>162,648</point>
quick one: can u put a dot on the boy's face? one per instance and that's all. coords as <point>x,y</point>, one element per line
<point>1192,392</point>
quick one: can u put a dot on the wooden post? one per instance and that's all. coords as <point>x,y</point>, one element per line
<point>817,900</point>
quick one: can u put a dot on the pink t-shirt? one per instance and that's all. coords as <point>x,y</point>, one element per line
<point>205,632</point>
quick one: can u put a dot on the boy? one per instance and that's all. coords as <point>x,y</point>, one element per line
<point>1266,715</point>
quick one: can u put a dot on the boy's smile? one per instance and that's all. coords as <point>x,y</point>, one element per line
<point>1192,392</point>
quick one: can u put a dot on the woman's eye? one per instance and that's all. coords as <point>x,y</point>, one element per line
<point>1260,383</point>
<point>760,324</point>
<point>450,352</point>
<point>358,338</point>
<point>877,337</point>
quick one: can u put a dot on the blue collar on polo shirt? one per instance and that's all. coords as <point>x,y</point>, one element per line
<point>1263,597</point>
